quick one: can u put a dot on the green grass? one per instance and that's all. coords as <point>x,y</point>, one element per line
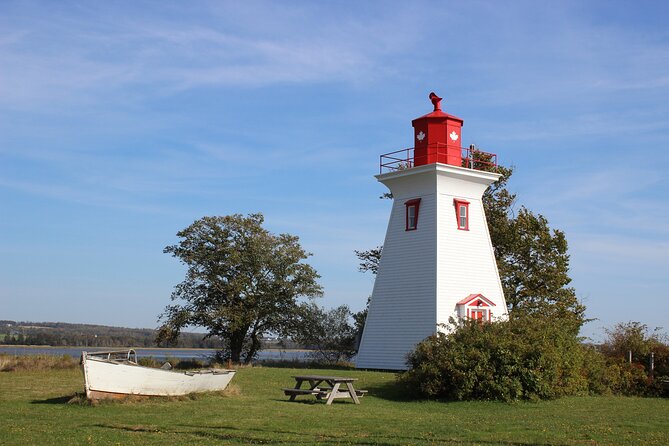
<point>34,409</point>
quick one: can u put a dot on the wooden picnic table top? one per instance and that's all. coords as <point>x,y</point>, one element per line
<point>336,379</point>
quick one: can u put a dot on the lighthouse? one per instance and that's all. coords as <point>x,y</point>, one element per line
<point>438,262</point>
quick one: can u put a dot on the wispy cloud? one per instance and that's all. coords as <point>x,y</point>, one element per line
<point>611,198</point>
<point>64,57</point>
<point>531,54</point>
<point>577,126</point>
<point>635,252</point>
<point>611,183</point>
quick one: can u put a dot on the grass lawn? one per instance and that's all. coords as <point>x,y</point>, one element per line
<point>34,411</point>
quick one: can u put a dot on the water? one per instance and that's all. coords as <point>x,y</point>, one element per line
<point>157,353</point>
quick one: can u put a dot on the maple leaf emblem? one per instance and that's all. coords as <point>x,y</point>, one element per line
<point>454,136</point>
<point>420,136</point>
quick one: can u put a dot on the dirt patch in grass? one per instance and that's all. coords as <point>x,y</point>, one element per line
<point>231,391</point>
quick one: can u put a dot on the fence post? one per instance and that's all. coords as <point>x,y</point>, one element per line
<point>652,364</point>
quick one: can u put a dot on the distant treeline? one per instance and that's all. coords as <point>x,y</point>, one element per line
<point>85,335</point>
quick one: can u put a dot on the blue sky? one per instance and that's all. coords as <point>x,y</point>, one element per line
<point>123,122</point>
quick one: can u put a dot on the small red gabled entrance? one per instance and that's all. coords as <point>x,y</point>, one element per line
<point>476,307</point>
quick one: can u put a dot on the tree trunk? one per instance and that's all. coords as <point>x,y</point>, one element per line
<point>236,346</point>
<point>255,346</point>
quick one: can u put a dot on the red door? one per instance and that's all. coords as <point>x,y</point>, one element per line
<point>477,315</point>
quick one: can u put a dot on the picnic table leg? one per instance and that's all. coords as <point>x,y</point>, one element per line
<point>298,384</point>
<point>314,385</point>
<point>333,392</point>
<point>351,391</point>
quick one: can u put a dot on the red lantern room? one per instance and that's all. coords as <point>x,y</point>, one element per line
<point>437,137</point>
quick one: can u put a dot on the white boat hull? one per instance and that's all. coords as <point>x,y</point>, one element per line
<point>110,379</point>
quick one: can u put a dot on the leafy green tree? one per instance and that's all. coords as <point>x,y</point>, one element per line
<point>328,332</point>
<point>532,258</point>
<point>359,319</point>
<point>242,282</point>
<point>534,268</point>
<point>636,338</point>
<point>627,337</point>
<point>369,260</point>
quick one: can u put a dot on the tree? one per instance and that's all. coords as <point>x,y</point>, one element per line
<point>635,337</point>
<point>627,337</point>
<point>242,281</point>
<point>328,333</point>
<point>369,260</point>
<point>534,268</point>
<point>532,258</point>
<point>359,320</point>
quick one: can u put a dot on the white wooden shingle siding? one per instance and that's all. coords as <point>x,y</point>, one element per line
<point>403,309</point>
<point>424,273</point>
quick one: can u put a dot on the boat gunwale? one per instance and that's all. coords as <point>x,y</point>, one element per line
<point>92,357</point>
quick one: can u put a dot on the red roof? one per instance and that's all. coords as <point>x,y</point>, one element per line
<point>471,297</point>
<point>438,114</point>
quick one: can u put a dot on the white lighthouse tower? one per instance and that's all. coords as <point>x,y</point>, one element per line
<point>438,262</point>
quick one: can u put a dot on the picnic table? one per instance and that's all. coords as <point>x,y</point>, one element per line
<point>325,387</point>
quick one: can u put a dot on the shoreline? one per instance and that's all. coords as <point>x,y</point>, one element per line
<point>270,349</point>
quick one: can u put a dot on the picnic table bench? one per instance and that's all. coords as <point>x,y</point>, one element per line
<point>330,391</point>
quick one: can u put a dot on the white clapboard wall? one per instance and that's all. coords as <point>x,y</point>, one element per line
<point>424,273</point>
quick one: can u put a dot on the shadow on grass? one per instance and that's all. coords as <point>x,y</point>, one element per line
<point>391,391</point>
<point>273,436</point>
<point>78,398</point>
<point>250,435</point>
<point>57,400</point>
<point>237,434</point>
<point>311,400</point>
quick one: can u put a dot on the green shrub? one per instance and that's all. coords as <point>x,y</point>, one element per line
<point>186,364</point>
<point>595,370</point>
<point>529,358</point>
<point>149,361</point>
<point>623,378</point>
<point>636,338</point>
<point>661,351</point>
<point>645,346</point>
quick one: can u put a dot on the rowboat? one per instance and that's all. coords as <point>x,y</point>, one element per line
<point>116,374</point>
